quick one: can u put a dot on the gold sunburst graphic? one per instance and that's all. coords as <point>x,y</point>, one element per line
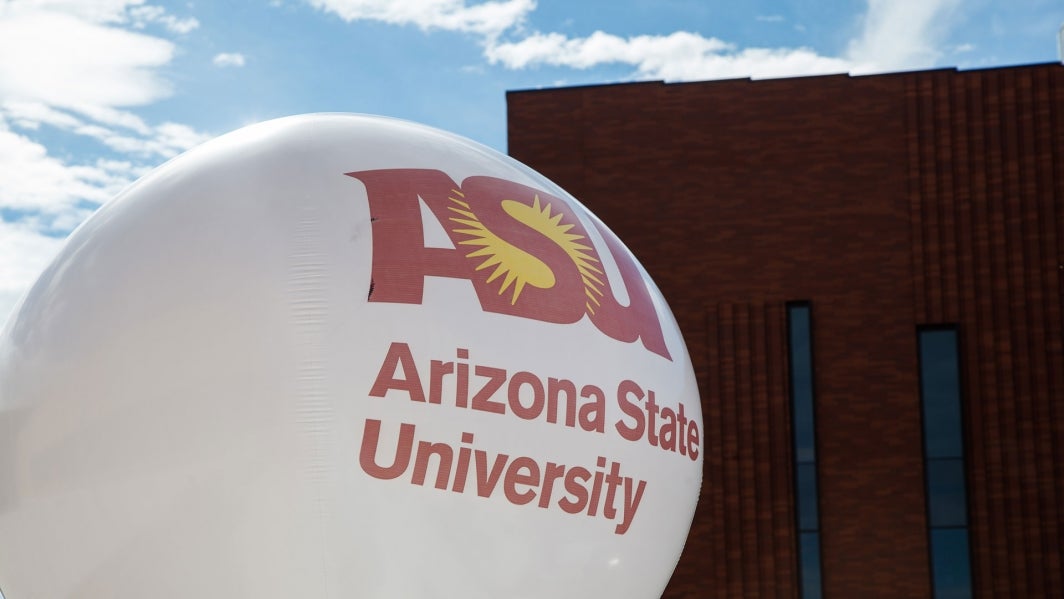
<point>517,267</point>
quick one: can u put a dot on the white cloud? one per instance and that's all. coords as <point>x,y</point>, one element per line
<point>598,48</point>
<point>749,62</point>
<point>142,15</point>
<point>31,115</point>
<point>178,138</point>
<point>895,34</point>
<point>31,179</point>
<point>71,65</point>
<point>65,61</point>
<point>114,12</point>
<point>113,117</point>
<point>96,11</point>
<point>167,140</point>
<point>678,56</point>
<point>229,59</point>
<point>77,68</point>
<point>901,34</point>
<point>488,19</point>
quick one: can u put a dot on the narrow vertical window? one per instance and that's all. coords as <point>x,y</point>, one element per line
<point>803,426</point>
<point>946,488</point>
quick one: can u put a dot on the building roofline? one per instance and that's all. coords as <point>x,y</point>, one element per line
<point>751,80</point>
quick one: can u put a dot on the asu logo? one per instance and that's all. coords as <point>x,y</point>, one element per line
<point>525,252</point>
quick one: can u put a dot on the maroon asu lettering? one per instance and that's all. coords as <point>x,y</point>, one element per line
<point>544,268</point>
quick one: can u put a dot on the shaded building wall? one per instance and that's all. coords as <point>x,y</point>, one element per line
<point>986,188</point>
<point>888,202</point>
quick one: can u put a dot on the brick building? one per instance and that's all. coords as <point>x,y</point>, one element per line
<point>869,273</point>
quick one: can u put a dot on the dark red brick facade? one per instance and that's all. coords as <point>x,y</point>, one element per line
<point>888,202</point>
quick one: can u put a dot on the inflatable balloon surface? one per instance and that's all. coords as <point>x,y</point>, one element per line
<point>340,356</point>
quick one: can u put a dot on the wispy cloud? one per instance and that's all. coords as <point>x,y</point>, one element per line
<point>78,68</point>
<point>559,50</point>
<point>33,180</point>
<point>899,34</point>
<point>229,59</point>
<point>120,131</point>
<point>488,19</point>
<point>678,56</point>
<point>895,34</point>
<point>141,16</point>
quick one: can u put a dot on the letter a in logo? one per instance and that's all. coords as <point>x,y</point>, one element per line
<point>525,252</point>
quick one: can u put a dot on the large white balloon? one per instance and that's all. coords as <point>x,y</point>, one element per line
<point>344,356</point>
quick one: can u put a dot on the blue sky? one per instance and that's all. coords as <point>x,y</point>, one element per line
<point>94,94</point>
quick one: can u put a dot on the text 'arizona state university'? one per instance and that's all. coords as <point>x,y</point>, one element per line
<point>463,467</point>
<point>525,252</point>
